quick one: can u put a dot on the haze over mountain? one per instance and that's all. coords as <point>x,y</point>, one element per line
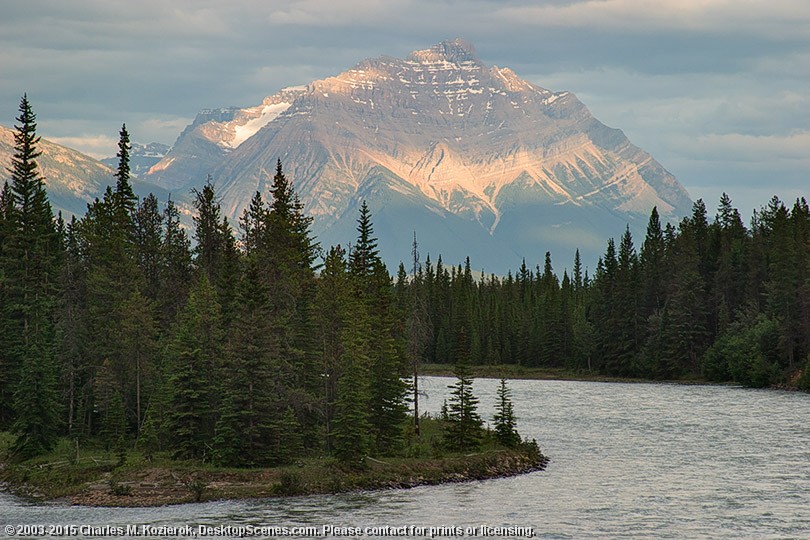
<point>475,159</point>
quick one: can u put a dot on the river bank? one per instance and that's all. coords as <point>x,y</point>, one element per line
<point>98,479</point>
<point>513,371</point>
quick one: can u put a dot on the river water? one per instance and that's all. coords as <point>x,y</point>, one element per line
<point>627,461</point>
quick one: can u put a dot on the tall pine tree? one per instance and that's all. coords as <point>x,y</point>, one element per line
<point>31,258</point>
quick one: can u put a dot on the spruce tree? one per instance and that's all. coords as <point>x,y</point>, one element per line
<point>175,266</point>
<point>208,233</point>
<point>117,310</point>
<point>125,199</point>
<point>505,421</point>
<point>352,435</point>
<point>31,258</point>
<point>372,284</point>
<point>246,428</point>
<point>333,299</point>
<point>7,371</point>
<point>463,431</point>
<point>192,364</point>
<point>149,234</point>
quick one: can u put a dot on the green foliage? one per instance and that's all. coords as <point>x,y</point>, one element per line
<point>352,435</point>
<point>804,380</point>
<point>192,364</point>
<point>464,425</point>
<point>743,354</point>
<point>118,489</point>
<point>505,421</point>
<point>30,268</point>
<point>291,484</point>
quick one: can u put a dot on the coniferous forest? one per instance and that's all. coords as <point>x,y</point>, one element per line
<point>248,344</point>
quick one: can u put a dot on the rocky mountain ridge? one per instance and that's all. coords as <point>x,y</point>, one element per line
<point>478,160</point>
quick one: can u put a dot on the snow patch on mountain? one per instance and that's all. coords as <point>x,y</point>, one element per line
<point>267,114</point>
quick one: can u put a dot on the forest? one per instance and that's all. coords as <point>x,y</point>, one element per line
<point>118,329</point>
<point>707,299</point>
<point>250,345</point>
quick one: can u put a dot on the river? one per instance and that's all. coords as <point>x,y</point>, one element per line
<point>627,461</point>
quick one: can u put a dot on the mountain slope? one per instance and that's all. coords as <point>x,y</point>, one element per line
<point>72,179</point>
<point>505,168</point>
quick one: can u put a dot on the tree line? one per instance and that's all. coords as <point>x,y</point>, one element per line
<point>706,298</point>
<point>236,348</point>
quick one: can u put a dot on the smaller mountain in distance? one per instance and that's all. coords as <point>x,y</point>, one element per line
<point>74,179</point>
<point>142,157</point>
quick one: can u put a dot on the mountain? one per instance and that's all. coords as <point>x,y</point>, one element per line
<point>71,178</point>
<point>141,157</point>
<point>475,159</point>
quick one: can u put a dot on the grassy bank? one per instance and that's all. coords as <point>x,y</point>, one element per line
<point>98,478</point>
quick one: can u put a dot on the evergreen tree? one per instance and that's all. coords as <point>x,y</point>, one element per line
<point>417,326</point>
<point>125,199</point>
<point>109,408</point>
<point>245,430</point>
<point>463,430</point>
<point>71,344</point>
<point>652,265</point>
<point>208,232</point>
<point>372,283</point>
<point>31,258</point>
<point>193,362</point>
<point>149,234</point>
<point>7,323</point>
<point>333,298</point>
<point>352,435</point>
<point>505,421</point>
<point>120,318</point>
<point>175,266</point>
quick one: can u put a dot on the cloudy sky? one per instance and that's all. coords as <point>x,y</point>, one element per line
<point>718,91</point>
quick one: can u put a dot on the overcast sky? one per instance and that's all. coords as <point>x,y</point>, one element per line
<point>718,91</point>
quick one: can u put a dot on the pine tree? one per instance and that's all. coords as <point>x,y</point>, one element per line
<point>333,299</point>
<point>417,328</point>
<point>245,430</point>
<point>175,266</point>
<point>463,430</point>
<point>344,328</point>
<point>372,284</point>
<point>505,421</point>
<point>109,409</point>
<point>125,199</point>
<point>117,310</point>
<point>7,324</point>
<point>149,234</point>
<point>192,363</point>
<point>352,430</point>
<point>208,232</point>
<point>71,344</point>
<point>31,257</point>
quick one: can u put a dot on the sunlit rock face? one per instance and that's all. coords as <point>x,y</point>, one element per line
<point>473,158</point>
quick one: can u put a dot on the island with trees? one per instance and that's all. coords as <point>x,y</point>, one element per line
<point>138,367</point>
